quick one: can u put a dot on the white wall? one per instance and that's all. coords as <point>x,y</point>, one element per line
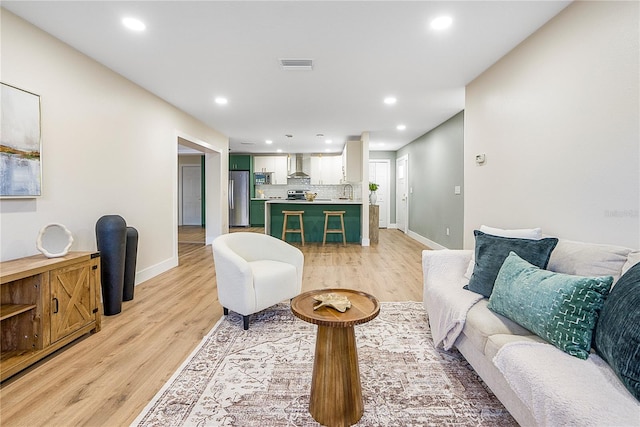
<point>109,147</point>
<point>558,119</point>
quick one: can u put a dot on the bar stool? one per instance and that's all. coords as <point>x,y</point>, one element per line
<point>340,214</point>
<point>300,230</point>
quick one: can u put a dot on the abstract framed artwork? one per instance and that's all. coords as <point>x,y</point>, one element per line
<point>20,143</point>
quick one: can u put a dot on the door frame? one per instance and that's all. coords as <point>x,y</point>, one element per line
<point>216,172</point>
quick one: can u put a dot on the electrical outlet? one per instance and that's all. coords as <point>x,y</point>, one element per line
<point>447,231</point>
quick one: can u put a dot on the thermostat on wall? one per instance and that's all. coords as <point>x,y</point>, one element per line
<point>480,159</point>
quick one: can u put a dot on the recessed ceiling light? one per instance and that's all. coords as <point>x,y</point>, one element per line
<point>268,141</point>
<point>441,22</point>
<point>328,141</point>
<point>133,24</point>
<point>326,150</point>
<point>279,150</point>
<point>390,100</point>
<point>401,127</point>
<point>221,100</point>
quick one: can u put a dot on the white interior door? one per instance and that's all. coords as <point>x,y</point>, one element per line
<point>402,193</point>
<point>379,173</point>
<point>191,195</point>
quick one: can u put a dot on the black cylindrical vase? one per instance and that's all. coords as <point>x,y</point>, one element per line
<point>111,235</point>
<point>131,254</point>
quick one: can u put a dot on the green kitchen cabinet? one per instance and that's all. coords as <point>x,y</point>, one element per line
<point>239,162</point>
<point>256,213</point>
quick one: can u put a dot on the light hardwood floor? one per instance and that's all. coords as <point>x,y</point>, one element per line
<point>106,379</point>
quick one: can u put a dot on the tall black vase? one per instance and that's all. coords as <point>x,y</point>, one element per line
<point>130,264</point>
<point>111,235</point>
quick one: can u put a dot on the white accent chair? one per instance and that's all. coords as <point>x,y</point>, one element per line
<point>255,271</point>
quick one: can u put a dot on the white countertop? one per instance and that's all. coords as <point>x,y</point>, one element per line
<point>317,202</point>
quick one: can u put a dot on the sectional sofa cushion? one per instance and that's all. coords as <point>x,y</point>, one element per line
<point>481,323</point>
<point>588,259</point>
<point>491,251</point>
<point>560,308</point>
<point>617,337</point>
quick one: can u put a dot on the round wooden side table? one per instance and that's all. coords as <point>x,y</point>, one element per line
<point>336,393</point>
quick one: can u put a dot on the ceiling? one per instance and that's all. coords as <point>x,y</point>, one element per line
<point>363,51</point>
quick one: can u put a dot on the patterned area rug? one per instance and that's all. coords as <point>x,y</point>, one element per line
<point>262,377</point>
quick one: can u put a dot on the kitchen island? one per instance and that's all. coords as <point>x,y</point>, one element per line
<point>313,219</point>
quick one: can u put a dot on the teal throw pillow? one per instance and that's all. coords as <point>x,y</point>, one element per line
<point>617,337</point>
<point>560,308</point>
<point>491,251</point>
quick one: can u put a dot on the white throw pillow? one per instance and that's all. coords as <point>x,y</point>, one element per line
<point>520,233</point>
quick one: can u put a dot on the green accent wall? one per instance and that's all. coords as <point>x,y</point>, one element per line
<point>436,167</point>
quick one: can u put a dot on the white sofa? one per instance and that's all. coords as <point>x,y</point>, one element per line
<point>543,385</point>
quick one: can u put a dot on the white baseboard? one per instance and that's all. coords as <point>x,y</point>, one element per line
<point>424,240</point>
<point>154,270</point>
<point>393,226</point>
<point>366,242</point>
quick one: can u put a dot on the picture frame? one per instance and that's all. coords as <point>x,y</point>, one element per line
<point>20,143</point>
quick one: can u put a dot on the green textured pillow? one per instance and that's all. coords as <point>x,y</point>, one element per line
<point>491,252</point>
<point>618,330</point>
<point>560,308</point>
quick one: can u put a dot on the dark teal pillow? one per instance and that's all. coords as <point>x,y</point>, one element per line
<point>618,330</point>
<point>491,251</point>
<point>560,308</point>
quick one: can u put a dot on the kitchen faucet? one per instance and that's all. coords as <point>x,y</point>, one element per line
<point>344,191</point>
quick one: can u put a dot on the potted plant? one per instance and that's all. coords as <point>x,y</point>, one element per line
<point>373,198</point>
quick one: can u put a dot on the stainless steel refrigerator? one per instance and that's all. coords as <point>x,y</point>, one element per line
<point>238,198</point>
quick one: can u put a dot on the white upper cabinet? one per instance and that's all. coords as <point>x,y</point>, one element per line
<point>281,170</point>
<point>264,164</point>
<point>352,160</point>
<point>326,170</point>
<point>275,164</point>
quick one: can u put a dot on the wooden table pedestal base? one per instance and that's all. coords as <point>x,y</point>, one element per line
<point>336,393</point>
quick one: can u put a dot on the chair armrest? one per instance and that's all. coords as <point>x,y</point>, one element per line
<point>234,279</point>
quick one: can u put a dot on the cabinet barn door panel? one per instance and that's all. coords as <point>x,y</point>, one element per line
<point>71,305</point>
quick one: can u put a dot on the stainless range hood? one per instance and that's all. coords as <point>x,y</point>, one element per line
<point>299,173</point>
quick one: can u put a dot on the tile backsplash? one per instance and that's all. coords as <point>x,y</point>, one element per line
<point>324,191</point>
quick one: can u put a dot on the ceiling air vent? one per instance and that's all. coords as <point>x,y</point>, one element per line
<point>296,64</point>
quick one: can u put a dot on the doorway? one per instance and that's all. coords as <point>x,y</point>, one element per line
<point>379,172</point>
<point>402,193</point>
<point>191,211</point>
<point>191,195</point>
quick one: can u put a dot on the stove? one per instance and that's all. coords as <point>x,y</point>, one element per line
<point>295,194</point>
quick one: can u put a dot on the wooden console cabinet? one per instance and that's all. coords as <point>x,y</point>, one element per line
<point>45,303</point>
